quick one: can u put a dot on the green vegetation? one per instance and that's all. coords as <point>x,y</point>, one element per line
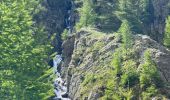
<point>98,14</point>
<point>87,15</point>
<point>107,16</point>
<point>117,62</point>
<point>126,33</point>
<point>128,75</point>
<point>139,14</point>
<point>24,52</point>
<point>64,35</point>
<point>148,72</point>
<point>26,36</point>
<point>167,33</point>
<point>131,80</point>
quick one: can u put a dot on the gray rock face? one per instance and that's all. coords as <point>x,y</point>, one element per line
<point>68,47</point>
<point>160,54</point>
<point>84,56</point>
<point>163,61</point>
<point>53,17</point>
<point>160,14</point>
<point>86,51</point>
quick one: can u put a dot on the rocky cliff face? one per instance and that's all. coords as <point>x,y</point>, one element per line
<point>53,15</point>
<point>88,54</point>
<point>160,15</point>
<point>87,57</point>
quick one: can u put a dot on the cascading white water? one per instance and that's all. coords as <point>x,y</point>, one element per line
<point>60,88</point>
<point>69,20</point>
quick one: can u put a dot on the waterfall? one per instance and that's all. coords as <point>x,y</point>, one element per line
<point>69,20</point>
<point>60,88</point>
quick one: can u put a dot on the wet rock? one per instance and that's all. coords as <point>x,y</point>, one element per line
<point>65,95</point>
<point>60,88</point>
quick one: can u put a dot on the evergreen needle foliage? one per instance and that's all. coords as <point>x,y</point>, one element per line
<point>167,33</point>
<point>24,51</point>
<point>87,15</point>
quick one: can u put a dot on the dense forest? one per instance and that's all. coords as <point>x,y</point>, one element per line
<point>25,50</point>
<point>84,49</point>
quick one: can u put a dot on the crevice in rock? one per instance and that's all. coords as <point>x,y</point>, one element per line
<point>56,16</point>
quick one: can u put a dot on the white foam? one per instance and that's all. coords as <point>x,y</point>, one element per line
<point>59,84</point>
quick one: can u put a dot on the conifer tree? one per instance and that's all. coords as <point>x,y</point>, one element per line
<point>167,33</point>
<point>136,12</point>
<point>23,60</point>
<point>126,34</point>
<point>87,15</point>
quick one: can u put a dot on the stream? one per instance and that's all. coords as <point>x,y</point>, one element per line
<point>60,88</point>
<point>69,19</point>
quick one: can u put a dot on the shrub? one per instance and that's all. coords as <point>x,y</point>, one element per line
<point>64,35</point>
<point>130,77</point>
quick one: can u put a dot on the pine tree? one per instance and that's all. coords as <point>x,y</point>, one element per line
<point>130,10</point>
<point>149,76</point>
<point>87,15</point>
<point>23,59</point>
<point>126,34</point>
<point>136,12</point>
<point>167,33</point>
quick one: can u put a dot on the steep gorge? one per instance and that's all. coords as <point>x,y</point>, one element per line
<point>54,16</point>
<point>87,54</point>
<point>85,49</point>
<point>64,14</point>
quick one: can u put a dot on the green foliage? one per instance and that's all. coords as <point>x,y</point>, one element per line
<point>167,33</point>
<point>87,15</point>
<point>107,20</point>
<point>99,14</point>
<point>130,10</point>
<point>64,35</point>
<point>89,78</point>
<point>126,34</point>
<point>111,86</point>
<point>150,92</point>
<point>97,46</point>
<point>127,94</point>
<point>148,72</point>
<point>107,15</point>
<point>130,76</point>
<point>24,51</point>
<point>116,62</point>
<point>139,14</point>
